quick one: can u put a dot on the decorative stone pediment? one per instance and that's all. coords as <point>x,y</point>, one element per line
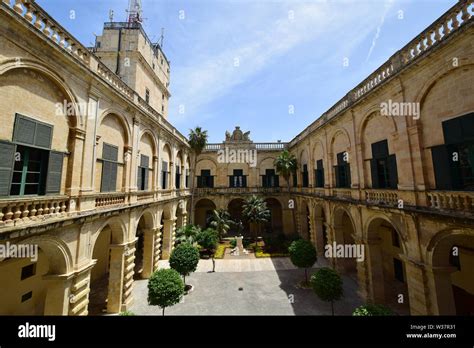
<point>237,136</point>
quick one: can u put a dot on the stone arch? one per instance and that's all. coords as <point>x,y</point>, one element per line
<point>450,258</point>
<point>58,253</point>
<point>344,234</point>
<point>168,230</point>
<point>118,113</point>
<point>148,133</point>
<point>386,262</point>
<point>275,223</point>
<point>203,211</point>
<point>144,234</point>
<point>26,63</point>
<point>320,233</point>
<point>234,207</point>
<point>304,219</point>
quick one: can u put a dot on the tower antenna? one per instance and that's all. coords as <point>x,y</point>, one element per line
<point>135,11</point>
<point>162,37</point>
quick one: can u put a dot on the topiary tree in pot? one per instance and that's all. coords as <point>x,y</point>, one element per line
<point>165,288</point>
<point>303,255</point>
<point>184,259</point>
<point>327,284</point>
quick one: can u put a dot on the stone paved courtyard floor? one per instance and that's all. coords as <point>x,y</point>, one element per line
<point>269,287</point>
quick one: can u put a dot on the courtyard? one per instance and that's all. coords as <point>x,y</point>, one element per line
<point>249,287</point>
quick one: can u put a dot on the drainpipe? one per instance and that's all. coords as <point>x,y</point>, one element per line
<point>119,47</point>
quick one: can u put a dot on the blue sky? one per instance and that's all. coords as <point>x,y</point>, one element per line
<point>250,62</point>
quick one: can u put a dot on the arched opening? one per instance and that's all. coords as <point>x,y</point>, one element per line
<point>203,212</point>
<point>344,237</point>
<point>144,247</point>
<point>275,223</point>
<point>235,208</point>
<point>453,262</point>
<point>387,270</point>
<point>107,274</point>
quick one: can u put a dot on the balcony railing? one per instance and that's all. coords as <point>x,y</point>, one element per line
<point>451,200</point>
<point>213,147</point>
<point>455,18</point>
<point>385,197</point>
<point>237,190</point>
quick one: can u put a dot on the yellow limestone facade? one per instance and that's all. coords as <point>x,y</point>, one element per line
<point>93,174</point>
<point>366,175</point>
<point>90,154</point>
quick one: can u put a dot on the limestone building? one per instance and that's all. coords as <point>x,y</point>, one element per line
<point>92,172</point>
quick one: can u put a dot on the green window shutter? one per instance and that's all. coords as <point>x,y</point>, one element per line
<point>110,153</point>
<point>380,149</point>
<point>24,130</point>
<point>55,170</point>
<point>145,161</point>
<point>139,178</point>
<point>146,178</point>
<point>392,171</point>
<point>348,175</point>
<point>43,135</point>
<point>7,158</point>
<point>374,173</point>
<point>106,172</point>
<point>442,167</point>
<point>113,177</point>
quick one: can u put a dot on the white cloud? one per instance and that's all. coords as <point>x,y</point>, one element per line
<point>334,28</point>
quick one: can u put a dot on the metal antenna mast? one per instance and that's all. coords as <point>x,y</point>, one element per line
<point>135,11</point>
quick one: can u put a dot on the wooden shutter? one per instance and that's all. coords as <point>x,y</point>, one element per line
<point>380,149</point>
<point>7,160</point>
<point>348,175</point>
<point>106,172</point>
<point>374,173</point>
<point>31,132</point>
<point>392,171</point>
<point>109,168</point>
<point>139,178</point>
<point>441,164</point>
<point>336,173</point>
<point>452,130</point>
<point>55,170</point>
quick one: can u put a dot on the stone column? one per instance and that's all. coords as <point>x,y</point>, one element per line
<point>129,267</point>
<point>319,236</point>
<point>374,271</point>
<point>57,294</point>
<point>417,287</point>
<point>440,290</point>
<point>80,289</point>
<point>74,165</point>
<point>116,276</point>
<point>168,237</point>
<point>156,250</point>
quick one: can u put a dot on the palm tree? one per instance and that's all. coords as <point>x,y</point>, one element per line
<point>255,210</point>
<point>187,234</point>
<point>221,222</point>
<point>197,141</point>
<point>286,165</point>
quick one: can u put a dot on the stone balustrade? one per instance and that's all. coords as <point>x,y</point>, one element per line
<point>385,197</point>
<point>342,193</point>
<point>454,19</point>
<point>110,199</point>
<point>237,190</point>
<point>24,210</point>
<point>451,200</point>
<point>257,146</point>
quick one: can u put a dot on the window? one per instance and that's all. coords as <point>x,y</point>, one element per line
<point>383,167</point>
<point>453,161</point>
<point>305,175</point>
<point>319,174</point>
<point>28,271</point>
<point>98,44</point>
<point>342,171</point>
<point>238,179</point>
<point>398,270</point>
<point>27,165</point>
<point>178,177</point>
<point>147,96</point>
<point>26,296</point>
<point>109,168</point>
<point>187,179</point>
<point>270,179</point>
<point>164,175</point>
<point>205,180</point>
<point>162,108</point>
<point>143,170</point>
